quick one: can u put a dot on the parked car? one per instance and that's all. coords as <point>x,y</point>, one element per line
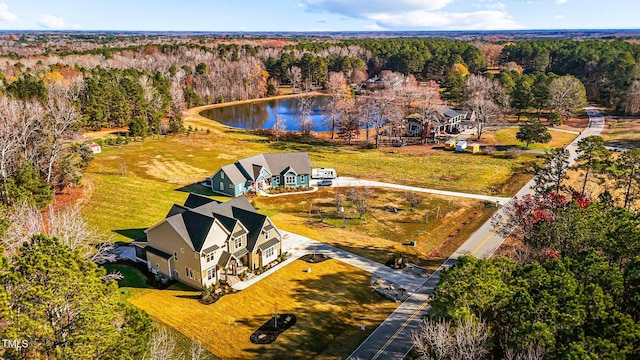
<point>325,182</point>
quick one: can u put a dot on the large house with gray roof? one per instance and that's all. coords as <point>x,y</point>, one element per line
<point>205,241</point>
<point>260,172</point>
<point>443,119</point>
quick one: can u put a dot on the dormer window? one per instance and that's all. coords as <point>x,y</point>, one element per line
<point>237,242</point>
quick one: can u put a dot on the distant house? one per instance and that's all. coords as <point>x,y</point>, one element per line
<point>261,172</point>
<point>205,241</point>
<point>445,120</point>
<point>95,148</point>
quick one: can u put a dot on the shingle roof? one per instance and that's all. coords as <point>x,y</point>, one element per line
<point>157,252</point>
<point>267,244</point>
<point>195,200</point>
<point>448,112</point>
<point>278,162</point>
<point>176,209</point>
<point>275,163</point>
<point>253,222</point>
<point>210,249</point>
<point>240,253</point>
<point>198,227</point>
<point>224,259</point>
<point>234,173</point>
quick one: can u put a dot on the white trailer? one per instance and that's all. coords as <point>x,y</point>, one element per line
<point>323,173</point>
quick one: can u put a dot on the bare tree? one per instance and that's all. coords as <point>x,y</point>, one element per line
<point>67,225</point>
<point>359,197</point>
<point>61,121</point>
<point>632,105</point>
<point>567,94</point>
<point>279,127</point>
<point>440,339</point>
<point>486,99</point>
<point>294,75</point>
<point>413,199</point>
<point>305,109</point>
<point>337,90</point>
<point>162,345</point>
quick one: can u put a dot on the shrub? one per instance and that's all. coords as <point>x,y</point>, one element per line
<point>513,153</point>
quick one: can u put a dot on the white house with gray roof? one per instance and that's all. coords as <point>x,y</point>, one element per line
<point>260,172</point>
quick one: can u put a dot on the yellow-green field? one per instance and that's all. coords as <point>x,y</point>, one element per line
<point>508,137</point>
<point>439,225</point>
<point>133,186</point>
<point>623,132</point>
<point>330,303</point>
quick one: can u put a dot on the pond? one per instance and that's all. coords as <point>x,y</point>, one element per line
<point>262,114</point>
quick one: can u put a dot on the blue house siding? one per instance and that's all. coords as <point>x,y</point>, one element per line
<point>302,180</point>
<point>220,183</point>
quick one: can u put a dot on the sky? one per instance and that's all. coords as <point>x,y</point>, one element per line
<point>317,15</point>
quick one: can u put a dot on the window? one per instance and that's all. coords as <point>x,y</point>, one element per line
<point>270,252</point>
<point>221,185</point>
<point>266,234</point>
<point>222,175</point>
<point>211,273</point>
<point>210,256</point>
<point>175,256</point>
<point>188,272</point>
<point>237,242</point>
<point>182,250</point>
<point>290,179</point>
<point>302,178</point>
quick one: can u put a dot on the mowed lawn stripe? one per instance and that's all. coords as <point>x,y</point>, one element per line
<point>330,303</point>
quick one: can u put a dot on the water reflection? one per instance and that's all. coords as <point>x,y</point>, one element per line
<point>262,114</point>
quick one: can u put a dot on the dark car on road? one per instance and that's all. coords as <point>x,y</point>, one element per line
<point>325,182</point>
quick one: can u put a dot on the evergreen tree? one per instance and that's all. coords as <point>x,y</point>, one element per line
<point>61,306</point>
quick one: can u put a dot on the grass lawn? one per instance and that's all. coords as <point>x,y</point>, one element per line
<point>131,187</point>
<point>622,132</point>
<point>508,137</point>
<point>381,234</point>
<point>328,326</point>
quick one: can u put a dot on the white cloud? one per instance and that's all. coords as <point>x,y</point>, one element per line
<point>561,1</point>
<point>356,8</point>
<point>6,15</point>
<point>322,21</point>
<point>418,14</point>
<point>559,17</point>
<point>478,20</point>
<point>54,23</point>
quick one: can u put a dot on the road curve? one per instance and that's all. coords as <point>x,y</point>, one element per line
<point>392,339</point>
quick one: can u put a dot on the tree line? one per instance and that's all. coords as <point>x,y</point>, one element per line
<point>568,290</point>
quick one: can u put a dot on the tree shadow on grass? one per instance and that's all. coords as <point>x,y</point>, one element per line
<point>326,322</point>
<point>197,188</point>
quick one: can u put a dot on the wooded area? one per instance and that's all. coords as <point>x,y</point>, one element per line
<point>572,293</point>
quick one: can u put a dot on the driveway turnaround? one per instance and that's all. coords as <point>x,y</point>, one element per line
<point>392,339</point>
<point>299,245</point>
<point>352,182</point>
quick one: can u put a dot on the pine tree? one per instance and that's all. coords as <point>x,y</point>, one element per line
<point>64,310</point>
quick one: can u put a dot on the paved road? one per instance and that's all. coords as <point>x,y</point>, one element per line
<point>392,339</point>
<point>351,182</point>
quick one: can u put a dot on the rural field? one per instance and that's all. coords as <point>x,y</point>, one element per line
<point>508,137</point>
<point>327,327</point>
<point>622,132</point>
<point>130,187</point>
<point>439,225</point>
